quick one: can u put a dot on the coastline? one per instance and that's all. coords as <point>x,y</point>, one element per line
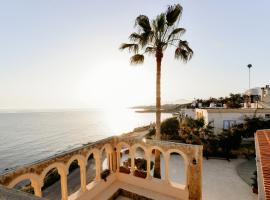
<point>138,132</point>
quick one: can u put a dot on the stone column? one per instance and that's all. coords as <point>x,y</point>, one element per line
<point>111,162</point>
<point>108,161</point>
<point>64,189</point>
<point>83,177</point>
<point>97,162</point>
<point>118,159</point>
<point>132,156</point>
<point>148,158</point>
<point>37,189</point>
<point>194,174</point>
<point>167,160</point>
<point>114,161</point>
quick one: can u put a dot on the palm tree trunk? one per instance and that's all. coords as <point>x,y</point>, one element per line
<point>159,56</point>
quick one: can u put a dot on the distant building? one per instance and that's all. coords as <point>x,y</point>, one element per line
<point>257,104</point>
<point>222,118</point>
<point>187,112</point>
<point>258,97</point>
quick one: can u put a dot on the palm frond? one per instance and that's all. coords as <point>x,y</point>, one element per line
<point>131,47</point>
<point>137,59</point>
<point>146,38</point>
<point>161,21</point>
<point>173,13</point>
<point>176,32</point>
<point>142,39</point>
<point>135,37</point>
<point>143,22</point>
<point>150,50</point>
<point>183,51</point>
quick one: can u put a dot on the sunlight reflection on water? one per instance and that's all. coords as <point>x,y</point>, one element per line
<point>30,136</point>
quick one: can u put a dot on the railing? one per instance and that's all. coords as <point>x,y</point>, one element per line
<point>191,154</point>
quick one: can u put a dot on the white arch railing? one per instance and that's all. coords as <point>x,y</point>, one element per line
<point>37,172</point>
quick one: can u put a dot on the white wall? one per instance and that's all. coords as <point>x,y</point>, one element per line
<point>218,117</point>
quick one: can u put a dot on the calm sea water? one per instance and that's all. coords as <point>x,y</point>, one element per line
<point>29,136</point>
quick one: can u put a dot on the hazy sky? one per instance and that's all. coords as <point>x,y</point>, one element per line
<point>64,53</point>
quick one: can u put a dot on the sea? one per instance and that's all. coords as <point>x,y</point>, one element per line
<point>29,136</point>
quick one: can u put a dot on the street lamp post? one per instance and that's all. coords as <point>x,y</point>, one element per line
<point>249,66</point>
<point>249,96</point>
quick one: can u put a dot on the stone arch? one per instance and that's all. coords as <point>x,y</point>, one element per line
<point>158,148</point>
<point>185,163</point>
<point>35,180</point>
<point>108,151</point>
<point>80,158</point>
<point>76,173</point>
<point>139,165</point>
<point>96,158</point>
<point>60,179</point>
<point>108,148</point>
<point>95,153</point>
<point>31,176</point>
<point>184,155</point>
<point>123,158</point>
<point>135,146</point>
<point>61,168</point>
<point>153,161</point>
<point>122,144</point>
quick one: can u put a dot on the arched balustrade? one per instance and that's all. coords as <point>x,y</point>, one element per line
<point>37,172</point>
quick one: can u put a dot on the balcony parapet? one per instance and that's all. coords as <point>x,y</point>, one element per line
<point>36,172</point>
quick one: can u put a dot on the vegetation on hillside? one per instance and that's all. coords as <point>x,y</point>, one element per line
<point>196,131</point>
<point>233,101</point>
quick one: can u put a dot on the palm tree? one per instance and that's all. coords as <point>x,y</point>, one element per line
<point>153,38</point>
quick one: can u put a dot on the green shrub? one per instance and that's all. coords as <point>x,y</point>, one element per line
<point>104,174</point>
<point>169,129</point>
<point>140,164</point>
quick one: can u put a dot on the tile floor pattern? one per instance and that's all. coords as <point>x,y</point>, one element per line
<point>221,181</point>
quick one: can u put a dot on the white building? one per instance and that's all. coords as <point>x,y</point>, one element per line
<point>259,97</point>
<point>222,118</point>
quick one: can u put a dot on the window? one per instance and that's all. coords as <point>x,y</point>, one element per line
<point>227,124</point>
<point>267,116</point>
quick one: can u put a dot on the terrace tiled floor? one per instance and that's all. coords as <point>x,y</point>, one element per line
<point>221,181</point>
<point>246,170</point>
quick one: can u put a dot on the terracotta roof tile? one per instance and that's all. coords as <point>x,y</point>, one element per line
<point>263,139</point>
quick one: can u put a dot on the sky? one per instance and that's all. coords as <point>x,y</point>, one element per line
<point>64,53</point>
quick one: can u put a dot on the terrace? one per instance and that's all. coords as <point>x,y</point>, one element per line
<point>116,179</point>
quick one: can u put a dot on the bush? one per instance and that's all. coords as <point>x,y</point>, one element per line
<point>140,164</point>
<point>151,133</point>
<point>105,174</point>
<point>251,125</point>
<point>169,129</point>
<point>255,182</point>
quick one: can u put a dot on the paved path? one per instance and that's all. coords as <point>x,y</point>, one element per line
<point>246,169</point>
<point>221,181</point>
